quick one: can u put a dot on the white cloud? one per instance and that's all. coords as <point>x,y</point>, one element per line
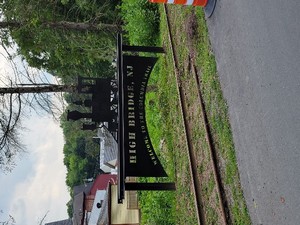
<point>44,188</point>
<point>37,184</point>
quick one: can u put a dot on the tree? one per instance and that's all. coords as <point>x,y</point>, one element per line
<point>13,100</point>
<point>62,38</point>
<point>9,221</point>
<point>65,25</point>
<point>36,88</point>
<point>58,38</point>
<point>44,217</point>
<point>36,95</point>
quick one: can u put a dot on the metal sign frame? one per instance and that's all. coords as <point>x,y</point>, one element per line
<point>133,73</point>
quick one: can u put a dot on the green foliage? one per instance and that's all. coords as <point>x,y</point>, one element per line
<point>157,207</point>
<point>76,172</point>
<point>92,10</point>
<point>65,53</point>
<point>62,51</point>
<point>30,12</point>
<point>70,208</point>
<point>81,153</point>
<point>141,20</point>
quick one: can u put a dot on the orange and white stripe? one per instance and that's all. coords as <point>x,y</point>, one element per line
<point>202,3</point>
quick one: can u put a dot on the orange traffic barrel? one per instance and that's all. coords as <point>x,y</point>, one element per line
<point>208,5</point>
<point>202,3</point>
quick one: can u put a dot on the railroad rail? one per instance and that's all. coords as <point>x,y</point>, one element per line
<point>196,182</point>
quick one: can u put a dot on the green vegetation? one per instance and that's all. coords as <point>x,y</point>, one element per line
<point>141,21</point>
<point>220,126</point>
<point>165,126</point>
<point>66,38</point>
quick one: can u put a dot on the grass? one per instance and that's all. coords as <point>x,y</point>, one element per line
<point>165,124</point>
<point>220,126</point>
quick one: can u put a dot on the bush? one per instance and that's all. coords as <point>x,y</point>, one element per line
<point>158,207</point>
<point>141,21</point>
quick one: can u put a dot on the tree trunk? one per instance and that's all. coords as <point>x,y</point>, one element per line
<point>9,24</point>
<point>67,25</point>
<point>37,89</point>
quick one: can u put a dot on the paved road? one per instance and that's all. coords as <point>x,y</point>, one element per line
<point>257,48</point>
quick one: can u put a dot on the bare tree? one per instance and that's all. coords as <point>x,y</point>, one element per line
<point>27,89</point>
<point>9,221</point>
<point>44,217</point>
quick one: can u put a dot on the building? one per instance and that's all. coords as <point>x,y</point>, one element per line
<point>108,150</point>
<point>99,205</point>
<point>84,197</point>
<point>96,203</point>
<point>110,212</point>
<point>125,213</point>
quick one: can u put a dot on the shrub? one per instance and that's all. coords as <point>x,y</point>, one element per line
<point>141,21</point>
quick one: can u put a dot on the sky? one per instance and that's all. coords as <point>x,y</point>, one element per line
<point>37,184</point>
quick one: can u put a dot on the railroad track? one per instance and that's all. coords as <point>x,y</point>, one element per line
<point>196,178</point>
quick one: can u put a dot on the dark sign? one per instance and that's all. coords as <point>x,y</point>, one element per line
<point>140,157</point>
<point>121,103</point>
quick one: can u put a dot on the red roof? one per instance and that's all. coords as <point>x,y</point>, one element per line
<point>101,182</point>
